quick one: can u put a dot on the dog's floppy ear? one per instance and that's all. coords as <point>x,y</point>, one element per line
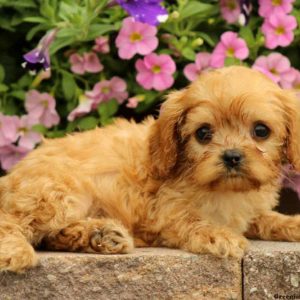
<point>164,136</point>
<point>292,110</point>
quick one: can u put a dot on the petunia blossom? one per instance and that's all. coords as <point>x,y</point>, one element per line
<point>230,45</point>
<point>88,62</point>
<point>101,44</point>
<point>28,138</point>
<point>278,30</point>
<point>41,106</point>
<point>246,8</point>
<point>296,81</point>
<point>273,7</point>
<point>133,102</point>
<point>10,155</point>
<point>276,66</point>
<point>136,37</point>
<point>8,129</point>
<point>202,62</point>
<point>230,10</point>
<point>85,106</point>
<point>39,58</point>
<point>155,71</point>
<point>145,11</point>
<point>106,90</point>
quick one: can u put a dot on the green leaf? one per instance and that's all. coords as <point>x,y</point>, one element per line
<point>55,134</point>
<point>68,86</point>
<point>96,30</point>
<point>87,123</point>
<point>39,128</point>
<point>207,38</point>
<point>229,61</point>
<point>60,43</point>
<point>19,4</point>
<point>3,88</point>
<point>47,10</point>
<point>105,122</point>
<point>195,8</point>
<point>35,20</point>
<point>2,73</point>
<point>72,126</point>
<point>68,32</point>
<point>34,30</point>
<point>108,109</point>
<point>247,34</point>
<point>18,94</point>
<point>25,81</point>
<point>189,53</point>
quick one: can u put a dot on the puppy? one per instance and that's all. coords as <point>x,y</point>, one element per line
<point>201,178</point>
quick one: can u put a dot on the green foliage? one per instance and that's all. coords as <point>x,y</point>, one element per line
<point>193,27</point>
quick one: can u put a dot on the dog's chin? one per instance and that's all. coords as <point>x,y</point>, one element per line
<point>234,181</point>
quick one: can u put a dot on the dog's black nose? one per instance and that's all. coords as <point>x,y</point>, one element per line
<point>232,158</point>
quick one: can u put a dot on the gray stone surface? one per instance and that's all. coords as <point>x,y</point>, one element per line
<point>271,270</point>
<point>148,273</point>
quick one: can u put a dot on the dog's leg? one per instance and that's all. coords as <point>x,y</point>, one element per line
<point>106,236</point>
<point>16,253</point>
<point>275,227</point>
<point>200,237</point>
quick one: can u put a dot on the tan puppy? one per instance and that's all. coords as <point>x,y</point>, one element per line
<point>202,176</point>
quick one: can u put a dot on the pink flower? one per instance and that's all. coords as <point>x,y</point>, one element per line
<point>106,90</point>
<point>276,66</point>
<point>27,137</point>
<point>278,30</point>
<point>296,81</point>
<point>41,106</point>
<point>274,7</point>
<point>101,44</point>
<point>134,101</point>
<point>229,46</point>
<point>89,62</point>
<point>155,71</point>
<point>85,106</point>
<point>10,155</point>
<point>288,78</point>
<point>202,62</point>
<point>230,10</point>
<point>8,129</point>
<point>136,37</point>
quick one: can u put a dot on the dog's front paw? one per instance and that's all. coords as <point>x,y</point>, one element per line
<point>111,239</point>
<point>225,244</point>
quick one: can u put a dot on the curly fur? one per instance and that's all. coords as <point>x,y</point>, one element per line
<point>153,184</point>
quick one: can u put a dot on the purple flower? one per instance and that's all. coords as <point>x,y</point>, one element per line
<point>145,11</point>
<point>246,8</point>
<point>38,58</point>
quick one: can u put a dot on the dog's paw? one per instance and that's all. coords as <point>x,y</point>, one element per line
<point>16,254</point>
<point>111,239</point>
<point>227,244</point>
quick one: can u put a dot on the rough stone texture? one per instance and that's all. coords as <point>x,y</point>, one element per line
<point>271,270</point>
<point>145,274</point>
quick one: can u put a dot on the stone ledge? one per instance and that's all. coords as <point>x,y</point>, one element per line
<point>269,269</point>
<point>272,269</point>
<point>148,273</point>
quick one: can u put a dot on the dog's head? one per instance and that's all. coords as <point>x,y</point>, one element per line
<point>229,130</point>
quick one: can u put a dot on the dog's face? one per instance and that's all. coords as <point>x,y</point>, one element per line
<point>230,130</point>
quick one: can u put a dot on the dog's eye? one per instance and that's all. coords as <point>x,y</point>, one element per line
<point>261,131</point>
<point>204,134</point>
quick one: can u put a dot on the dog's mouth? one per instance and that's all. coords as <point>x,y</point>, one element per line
<point>236,180</point>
